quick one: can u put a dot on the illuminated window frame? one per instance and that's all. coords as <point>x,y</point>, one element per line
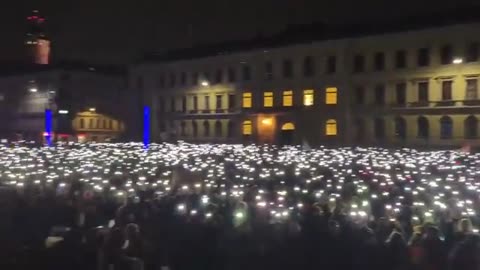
<point>247,127</point>
<point>331,96</point>
<point>308,97</point>
<point>287,98</point>
<point>247,100</point>
<point>331,127</point>
<point>267,99</point>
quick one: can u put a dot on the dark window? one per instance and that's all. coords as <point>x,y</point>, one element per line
<point>400,59</point>
<point>184,104</point>
<point>423,57</point>
<point>268,70</point>
<point>183,129</point>
<point>379,128</point>
<point>359,129</point>
<point>172,104</point>
<point>471,127</point>
<point>308,66</point>
<point>195,103</point>
<point>400,128</point>
<point>446,55</point>
<point>423,127</point>
<point>195,78</point>
<point>161,104</point>
<point>183,78</point>
<point>246,73</point>
<point>219,76</point>
<point>206,128</point>
<point>231,74</point>
<point>423,92</point>
<point>401,93</point>
<point>218,129</point>
<point>379,61</point>
<point>230,129</point>
<point>161,81</point>
<point>287,67</point>
<point>172,79</point>
<point>472,52</point>
<point>218,102</point>
<point>331,64</point>
<point>140,82</point>
<point>360,95</point>
<point>110,124</point>
<point>90,123</point>
<point>98,124</point>
<point>380,94</point>
<point>231,101</point>
<point>359,63</point>
<point>194,128</point>
<point>472,91</point>
<point>82,123</point>
<point>447,90</point>
<point>207,102</point>
<point>446,127</point>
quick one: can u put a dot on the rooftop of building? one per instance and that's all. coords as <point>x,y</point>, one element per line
<point>319,31</point>
<point>21,68</point>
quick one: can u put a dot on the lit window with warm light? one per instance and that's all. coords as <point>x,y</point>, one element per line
<point>287,98</point>
<point>308,97</point>
<point>247,100</point>
<point>247,127</point>
<point>331,127</point>
<point>331,96</point>
<point>268,99</point>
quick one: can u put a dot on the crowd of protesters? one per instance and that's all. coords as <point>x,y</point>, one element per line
<point>185,206</point>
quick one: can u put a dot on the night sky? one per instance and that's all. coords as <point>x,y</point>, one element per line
<point>107,31</point>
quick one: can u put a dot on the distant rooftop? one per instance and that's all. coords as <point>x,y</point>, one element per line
<point>19,68</point>
<point>300,34</point>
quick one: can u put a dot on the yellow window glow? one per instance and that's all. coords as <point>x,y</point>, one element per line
<point>247,127</point>
<point>331,127</point>
<point>287,98</point>
<point>268,99</point>
<point>288,126</point>
<point>308,97</point>
<point>247,100</point>
<point>331,95</point>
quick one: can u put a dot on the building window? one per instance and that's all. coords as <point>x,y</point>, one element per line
<point>183,78</point>
<point>401,93</point>
<point>359,129</point>
<point>268,70</point>
<point>218,76</point>
<point>218,102</point>
<point>331,127</point>
<point>161,81</point>
<point>287,68</point>
<point>400,128</point>
<point>423,127</point>
<point>447,90</point>
<point>247,127</point>
<point>423,92</point>
<point>218,129</point>
<point>184,104</point>
<point>379,128</point>
<point>379,61</point>
<point>401,59</point>
<point>172,104</point>
<point>91,124</point>
<point>308,97</point>
<point>446,55</point>
<point>308,66</point>
<point>472,89</point>
<point>110,124</point>
<point>380,94</point>
<point>472,52</point>
<point>230,129</point>
<point>206,128</point>
<point>246,73</point>
<point>82,123</point>
<point>358,63</point>
<point>172,79</point>
<point>268,99</point>
<point>331,64</point>
<point>446,127</point>
<point>471,127</point>
<point>161,104</point>
<point>104,123</point>
<point>195,103</point>
<point>423,57</point>
<point>247,100</point>
<point>359,95</point>
<point>139,82</point>
<point>183,129</point>
<point>207,102</point>
<point>287,99</point>
<point>194,128</point>
<point>331,96</point>
<point>231,74</point>
<point>98,124</point>
<point>194,78</point>
<point>231,101</point>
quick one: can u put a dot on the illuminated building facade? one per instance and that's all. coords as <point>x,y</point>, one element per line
<point>405,87</point>
<point>36,40</point>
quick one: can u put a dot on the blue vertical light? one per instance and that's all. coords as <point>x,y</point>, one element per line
<point>146,126</point>
<point>48,126</point>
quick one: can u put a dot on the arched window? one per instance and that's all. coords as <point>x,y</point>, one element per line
<point>82,123</point>
<point>247,127</point>
<point>331,127</point>
<point>471,127</point>
<point>379,128</point>
<point>288,126</point>
<point>400,128</point>
<point>183,128</point>
<point>446,127</point>
<point>359,129</point>
<point>423,127</point>
<point>206,128</point>
<point>218,129</point>
<point>194,128</point>
<point>230,129</point>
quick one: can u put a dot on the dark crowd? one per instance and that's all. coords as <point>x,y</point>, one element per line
<point>227,207</point>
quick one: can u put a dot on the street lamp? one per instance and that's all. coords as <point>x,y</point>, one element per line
<point>92,109</point>
<point>205,83</point>
<point>33,90</point>
<point>457,61</point>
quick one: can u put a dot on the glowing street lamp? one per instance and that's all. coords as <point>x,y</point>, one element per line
<point>33,90</point>
<point>457,61</point>
<point>205,83</point>
<point>92,109</point>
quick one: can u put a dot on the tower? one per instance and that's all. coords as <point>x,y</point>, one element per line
<point>36,40</point>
